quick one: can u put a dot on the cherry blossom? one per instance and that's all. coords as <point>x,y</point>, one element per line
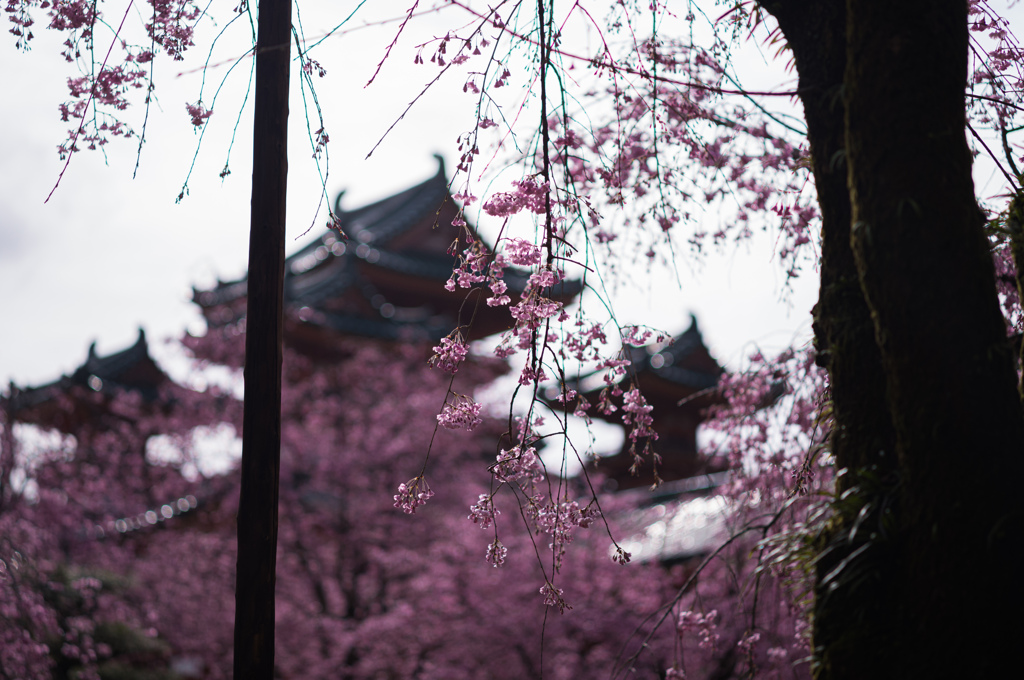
<point>459,413</point>
<point>450,353</point>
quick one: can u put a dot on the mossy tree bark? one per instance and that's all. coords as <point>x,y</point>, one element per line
<point>927,419</point>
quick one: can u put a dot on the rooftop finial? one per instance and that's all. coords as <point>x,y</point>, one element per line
<point>440,165</point>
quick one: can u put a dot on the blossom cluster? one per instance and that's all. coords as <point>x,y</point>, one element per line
<point>535,306</point>
<point>517,463</point>
<point>705,626</point>
<point>772,429</point>
<point>198,113</point>
<point>521,253</point>
<point>473,267</point>
<point>553,597</point>
<point>412,494</point>
<point>103,87</point>
<point>636,413</point>
<point>172,25</point>
<point>496,553</point>
<point>450,353</point>
<point>769,425</point>
<point>999,75</point>
<point>483,512</point>
<point>560,520</point>
<point>527,194</point>
<point>460,413</point>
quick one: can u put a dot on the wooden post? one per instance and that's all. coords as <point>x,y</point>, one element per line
<point>261,424</point>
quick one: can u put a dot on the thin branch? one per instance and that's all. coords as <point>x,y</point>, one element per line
<point>92,96</point>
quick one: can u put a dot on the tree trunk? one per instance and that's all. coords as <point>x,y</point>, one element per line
<point>927,424</point>
<point>261,422</point>
<point>863,440</point>
<point>927,273</point>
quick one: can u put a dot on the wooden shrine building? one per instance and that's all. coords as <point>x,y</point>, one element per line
<point>386,283</point>
<point>79,400</point>
<point>678,380</point>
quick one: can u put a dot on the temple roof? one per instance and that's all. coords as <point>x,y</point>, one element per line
<point>685,362</point>
<point>672,372</point>
<point>131,369</point>
<point>386,281</point>
<point>327,266</point>
<point>678,381</point>
<point>386,220</point>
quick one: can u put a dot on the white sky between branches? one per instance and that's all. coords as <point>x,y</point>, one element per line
<point>109,253</point>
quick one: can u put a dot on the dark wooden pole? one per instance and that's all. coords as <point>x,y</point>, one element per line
<point>261,423</point>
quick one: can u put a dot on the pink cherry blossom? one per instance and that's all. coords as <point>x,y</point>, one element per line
<point>460,413</point>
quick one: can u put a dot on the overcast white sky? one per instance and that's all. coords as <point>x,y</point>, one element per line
<point>109,253</point>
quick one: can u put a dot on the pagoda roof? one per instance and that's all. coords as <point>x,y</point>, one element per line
<point>386,281</point>
<point>131,369</point>
<point>678,381</point>
<point>685,361</point>
<point>383,222</point>
<point>326,266</point>
<point>676,370</point>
